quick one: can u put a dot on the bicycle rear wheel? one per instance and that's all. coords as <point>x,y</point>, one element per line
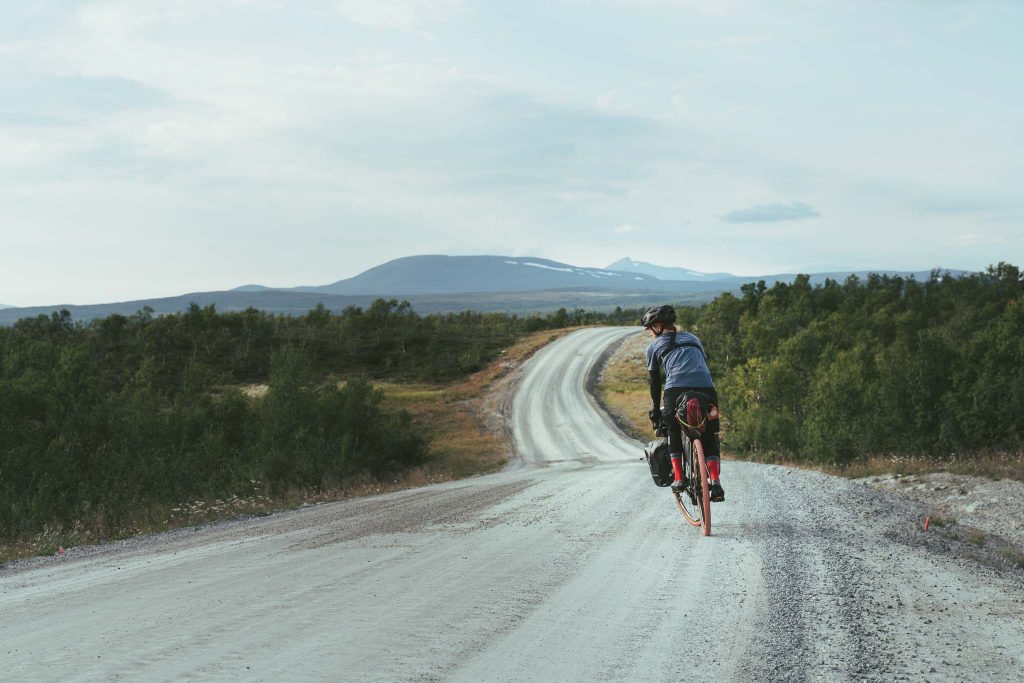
<point>691,512</point>
<point>704,496</point>
<point>688,504</point>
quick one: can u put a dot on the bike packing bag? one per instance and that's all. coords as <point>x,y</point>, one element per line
<point>695,411</point>
<point>659,461</point>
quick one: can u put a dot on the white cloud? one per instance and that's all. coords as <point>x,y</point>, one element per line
<point>115,21</point>
<point>713,8</point>
<point>771,213</point>
<point>604,100</point>
<point>625,229</point>
<point>727,41</point>
<point>399,15</point>
<point>974,240</point>
<point>680,105</point>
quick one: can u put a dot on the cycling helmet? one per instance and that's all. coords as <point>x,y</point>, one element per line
<point>666,315</point>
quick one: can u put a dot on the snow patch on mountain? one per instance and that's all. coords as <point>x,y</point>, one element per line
<point>599,274</point>
<point>541,265</point>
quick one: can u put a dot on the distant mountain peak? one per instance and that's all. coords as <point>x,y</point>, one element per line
<point>665,272</point>
<point>439,274</point>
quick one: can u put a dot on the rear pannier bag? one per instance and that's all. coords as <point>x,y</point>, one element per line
<point>659,461</point>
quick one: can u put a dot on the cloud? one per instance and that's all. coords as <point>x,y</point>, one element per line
<point>398,15</point>
<point>955,202</point>
<point>727,42</point>
<point>625,229</point>
<point>713,8</point>
<point>973,240</point>
<point>55,98</point>
<point>680,105</point>
<point>492,139</point>
<point>604,100</point>
<point>771,213</point>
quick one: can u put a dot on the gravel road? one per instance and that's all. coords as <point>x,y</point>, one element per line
<point>570,566</point>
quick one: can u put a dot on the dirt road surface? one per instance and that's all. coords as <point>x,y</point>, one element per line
<point>570,566</point>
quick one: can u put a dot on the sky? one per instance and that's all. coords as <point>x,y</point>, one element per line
<point>155,148</point>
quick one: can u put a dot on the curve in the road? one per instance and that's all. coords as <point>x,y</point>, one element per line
<point>554,417</point>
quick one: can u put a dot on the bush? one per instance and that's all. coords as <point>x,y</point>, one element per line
<point>882,366</point>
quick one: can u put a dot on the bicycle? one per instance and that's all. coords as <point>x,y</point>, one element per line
<point>695,500</point>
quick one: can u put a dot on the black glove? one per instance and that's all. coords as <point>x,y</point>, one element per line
<point>655,417</point>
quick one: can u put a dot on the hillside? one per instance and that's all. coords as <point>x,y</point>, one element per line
<point>435,274</point>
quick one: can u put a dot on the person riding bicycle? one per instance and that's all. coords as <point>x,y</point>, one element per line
<point>686,369</point>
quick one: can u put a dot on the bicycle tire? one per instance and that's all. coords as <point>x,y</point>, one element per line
<point>705,485</point>
<point>686,501</point>
<point>693,518</point>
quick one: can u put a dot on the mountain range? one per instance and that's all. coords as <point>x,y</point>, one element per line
<point>438,283</point>
<point>437,274</point>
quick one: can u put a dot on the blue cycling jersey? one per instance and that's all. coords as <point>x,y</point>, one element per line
<point>684,367</point>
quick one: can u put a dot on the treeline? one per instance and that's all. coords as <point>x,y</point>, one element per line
<point>102,421</point>
<point>882,366</point>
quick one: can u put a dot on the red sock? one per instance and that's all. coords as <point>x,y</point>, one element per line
<point>714,469</point>
<point>677,466</point>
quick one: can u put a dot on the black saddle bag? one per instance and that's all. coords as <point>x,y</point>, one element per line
<point>659,461</point>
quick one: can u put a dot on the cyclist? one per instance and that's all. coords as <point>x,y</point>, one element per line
<point>686,369</point>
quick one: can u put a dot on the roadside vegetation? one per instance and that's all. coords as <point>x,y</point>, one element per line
<point>622,386</point>
<point>865,376</point>
<point>139,423</point>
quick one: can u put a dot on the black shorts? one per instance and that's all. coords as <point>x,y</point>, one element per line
<point>709,439</point>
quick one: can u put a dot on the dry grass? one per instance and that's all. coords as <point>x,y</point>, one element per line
<point>976,537</point>
<point>994,466</point>
<point>463,441</point>
<point>1012,555</point>
<point>623,390</point>
<point>451,417</point>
